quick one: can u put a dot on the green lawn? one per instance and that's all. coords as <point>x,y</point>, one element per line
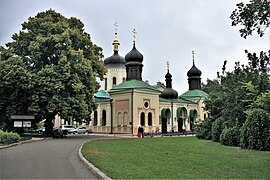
<point>175,158</point>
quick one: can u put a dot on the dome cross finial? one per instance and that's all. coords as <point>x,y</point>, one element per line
<point>115,27</point>
<point>193,56</point>
<point>116,42</point>
<point>134,35</point>
<point>168,66</point>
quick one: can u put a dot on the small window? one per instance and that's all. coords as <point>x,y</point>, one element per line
<point>114,81</point>
<point>146,105</point>
<point>124,79</point>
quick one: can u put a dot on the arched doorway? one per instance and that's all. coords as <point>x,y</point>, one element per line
<point>103,117</point>
<point>142,119</point>
<point>165,115</point>
<point>95,118</point>
<point>181,117</point>
<point>192,117</point>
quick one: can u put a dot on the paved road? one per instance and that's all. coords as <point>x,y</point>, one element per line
<point>47,159</point>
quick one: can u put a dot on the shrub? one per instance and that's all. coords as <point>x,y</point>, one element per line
<point>230,136</point>
<point>203,130</point>
<point>255,133</point>
<point>6,137</point>
<point>217,127</point>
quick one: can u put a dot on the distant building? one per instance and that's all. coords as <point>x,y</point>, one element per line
<point>126,102</point>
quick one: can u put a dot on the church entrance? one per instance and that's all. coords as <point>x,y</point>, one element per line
<point>166,115</point>
<point>192,117</point>
<point>181,116</point>
<point>180,125</point>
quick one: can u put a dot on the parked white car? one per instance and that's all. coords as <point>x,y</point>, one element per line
<point>81,130</point>
<point>67,129</point>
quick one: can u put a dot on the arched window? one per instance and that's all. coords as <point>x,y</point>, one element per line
<point>103,118</point>
<point>119,119</point>
<point>124,79</point>
<point>105,83</point>
<point>114,81</point>
<point>149,119</point>
<point>95,118</point>
<point>125,118</point>
<point>142,119</point>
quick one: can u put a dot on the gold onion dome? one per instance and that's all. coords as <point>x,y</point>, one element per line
<point>115,59</point>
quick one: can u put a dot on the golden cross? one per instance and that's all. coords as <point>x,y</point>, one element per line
<point>115,26</point>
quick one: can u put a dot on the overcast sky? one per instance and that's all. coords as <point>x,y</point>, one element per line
<point>168,30</point>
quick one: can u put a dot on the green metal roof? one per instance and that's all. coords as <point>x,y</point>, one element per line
<point>178,100</point>
<point>102,100</point>
<point>134,84</point>
<point>196,93</point>
<point>102,94</point>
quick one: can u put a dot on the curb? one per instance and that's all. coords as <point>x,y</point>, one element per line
<point>22,142</point>
<point>96,172</point>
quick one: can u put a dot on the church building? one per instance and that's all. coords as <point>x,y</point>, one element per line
<point>125,102</point>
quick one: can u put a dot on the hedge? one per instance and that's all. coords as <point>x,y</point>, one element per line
<point>8,137</point>
<point>255,133</point>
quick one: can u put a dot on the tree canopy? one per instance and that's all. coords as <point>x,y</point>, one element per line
<point>236,96</point>
<point>254,15</point>
<point>51,66</point>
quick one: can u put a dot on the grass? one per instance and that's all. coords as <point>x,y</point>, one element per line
<point>175,158</point>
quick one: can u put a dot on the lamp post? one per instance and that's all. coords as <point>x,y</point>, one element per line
<point>111,101</point>
<point>172,116</point>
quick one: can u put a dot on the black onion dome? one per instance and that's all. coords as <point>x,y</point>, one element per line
<point>134,55</point>
<point>115,59</point>
<point>194,71</point>
<point>168,75</point>
<point>169,93</point>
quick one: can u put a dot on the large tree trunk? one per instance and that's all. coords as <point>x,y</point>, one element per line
<point>49,124</point>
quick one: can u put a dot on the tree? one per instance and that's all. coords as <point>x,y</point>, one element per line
<point>14,87</point>
<point>253,16</point>
<point>63,63</point>
<point>255,133</point>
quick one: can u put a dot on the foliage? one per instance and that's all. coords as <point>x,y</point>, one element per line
<point>255,133</point>
<point>262,102</point>
<point>233,94</point>
<point>14,88</point>
<point>230,136</point>
<point>217,127</point>
<point>203,130</point>
<point>55,65</point>
<point>175,158</point>
<point>253,16</point>
<point>6,137</point>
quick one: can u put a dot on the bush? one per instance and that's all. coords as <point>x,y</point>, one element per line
<point>203,130</point>
<point>230,136</point>
<point>217,127</point>
<point>255,133</point>
<point>6,137</point>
